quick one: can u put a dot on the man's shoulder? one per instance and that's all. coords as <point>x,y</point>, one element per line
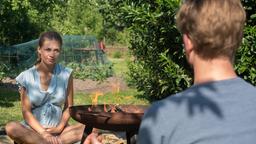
<point>170,104</point>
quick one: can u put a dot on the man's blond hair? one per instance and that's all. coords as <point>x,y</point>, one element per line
<point>214,26</point>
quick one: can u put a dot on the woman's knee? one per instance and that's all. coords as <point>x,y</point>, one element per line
<point>11,128</point>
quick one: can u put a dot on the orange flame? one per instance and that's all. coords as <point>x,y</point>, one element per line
<point>94,98</point>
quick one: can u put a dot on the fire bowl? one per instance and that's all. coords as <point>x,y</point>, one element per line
<point>110,116</point>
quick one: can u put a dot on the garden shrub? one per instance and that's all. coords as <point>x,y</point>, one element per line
<point>159,68</point>
<point>94,72</point>
<point>246,56</point>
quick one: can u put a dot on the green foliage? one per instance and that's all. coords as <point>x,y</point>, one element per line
<point>117,54</point>
<point>24,20</point>
<point>159,67</point>
<point>250,7</point>
<point>123,37</point>
<point>94,72</point>
<point>246,56</point>
<point>114,29</point>
<point>7,70</point>
<point>2,70</point>
<point>77,17</point>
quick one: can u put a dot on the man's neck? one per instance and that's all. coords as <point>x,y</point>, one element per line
<point>212,70</point>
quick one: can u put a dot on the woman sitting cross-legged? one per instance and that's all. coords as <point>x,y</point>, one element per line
<point>46,92</point>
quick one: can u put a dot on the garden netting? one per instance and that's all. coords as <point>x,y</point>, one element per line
<point>81,53</point>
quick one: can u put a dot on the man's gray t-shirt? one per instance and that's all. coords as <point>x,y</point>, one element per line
<point>220,112</point>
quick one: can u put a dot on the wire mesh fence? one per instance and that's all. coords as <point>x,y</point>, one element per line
<point>78,52</point>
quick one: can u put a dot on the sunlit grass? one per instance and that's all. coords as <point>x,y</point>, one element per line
<point>123,97</point>
<point>119,66</point>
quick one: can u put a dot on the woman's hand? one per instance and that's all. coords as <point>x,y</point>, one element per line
<point>54,130</point>
<point>93,138</point>
<point>54,140</point>
<point>51,139</point>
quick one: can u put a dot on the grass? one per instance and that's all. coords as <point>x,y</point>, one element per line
<point>119,66</point>
<point>123,97</point>
<point>10,107</point>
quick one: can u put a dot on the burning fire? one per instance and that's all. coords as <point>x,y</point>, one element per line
<point>115,88</point>
<point>94,98</point>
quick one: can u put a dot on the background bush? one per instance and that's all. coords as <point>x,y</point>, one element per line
<point>94,72</point>
<point>159,68</point>
<point>246,56</point>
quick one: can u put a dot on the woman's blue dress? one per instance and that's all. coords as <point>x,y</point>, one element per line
<point>46,106</point>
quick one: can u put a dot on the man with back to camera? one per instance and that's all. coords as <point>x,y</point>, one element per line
<point>220,108</point>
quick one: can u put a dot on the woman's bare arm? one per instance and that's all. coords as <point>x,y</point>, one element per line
<point>26,112</point>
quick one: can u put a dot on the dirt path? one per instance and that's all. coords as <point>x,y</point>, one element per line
<point>87,85</point>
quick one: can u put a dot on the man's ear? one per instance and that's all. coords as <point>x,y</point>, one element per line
<point>189,48</point>
<point>187,43</point>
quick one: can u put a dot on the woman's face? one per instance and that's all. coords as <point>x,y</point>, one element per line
<point>49,52</point>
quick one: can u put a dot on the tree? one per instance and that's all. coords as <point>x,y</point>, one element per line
<point>77,17</point>
<point>23,20</point>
